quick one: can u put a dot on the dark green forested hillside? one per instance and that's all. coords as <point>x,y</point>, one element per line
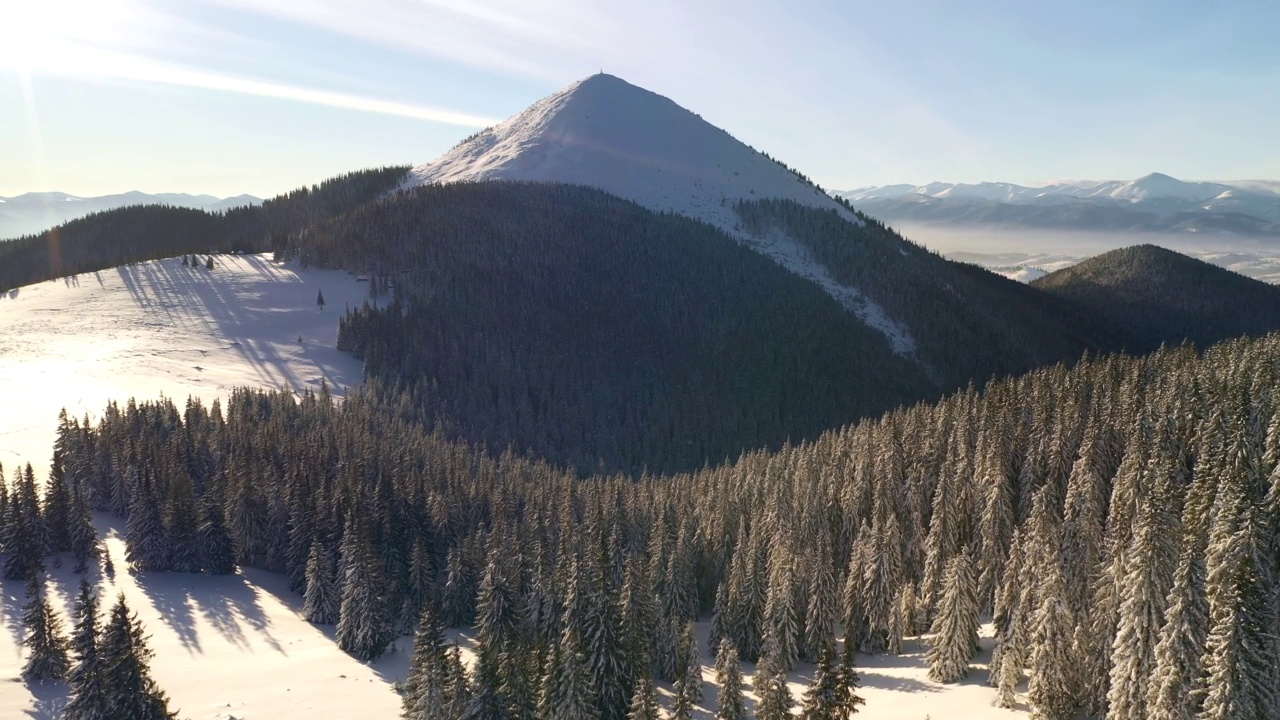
<point>1118,520</point>
<point>147,232</point>
<point>587,330</point>
<point>1160,296</point>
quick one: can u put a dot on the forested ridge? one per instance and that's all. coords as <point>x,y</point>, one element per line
<point>581,328</point>
<point>1117,519</point>
<point>148,232</point>
<point>1158,295</point>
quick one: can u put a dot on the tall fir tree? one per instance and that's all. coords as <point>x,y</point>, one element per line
<point>364,621</point>
<point>955,628</point>
<point>320,601</point>
<point>823,698</point>
<point>89,693</point>
<point>131,692</point>
<point>45,641</point>
<point>729,700</point>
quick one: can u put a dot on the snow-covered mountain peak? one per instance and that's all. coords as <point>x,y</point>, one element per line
<point>607,133</point>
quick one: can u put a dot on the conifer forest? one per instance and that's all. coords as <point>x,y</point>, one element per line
<point>1115,519</point>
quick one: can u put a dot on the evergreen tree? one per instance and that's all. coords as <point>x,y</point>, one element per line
<point>320,299</point>
<point>688,686</point>
<point>850,700</point>
<point>773,695</point>
<point>955,628</point>
<point>1239,651</point>
<point>730,704</point>
<point>45,642</point>
<point>566,690</point>
<point>85,547</point>
<point>216,550</point>
<point>823,700</point>
<point>1145,588</point>
<point>147,547</point>
<point>182,528</point>
<point>131,693</point>
<point>1180,650</point>
<point>423,691</point>
<point>364,622</point>
<point>644,701</point>
<point>824,605</point>
<point>89,694</point>
<point>1049,691</point>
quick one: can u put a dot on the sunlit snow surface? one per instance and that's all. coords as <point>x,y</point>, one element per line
<point>164,328</point>
<point>236,646</point>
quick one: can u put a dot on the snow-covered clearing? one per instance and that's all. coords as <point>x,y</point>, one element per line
<point>236,646</point>
<point>164,328</point>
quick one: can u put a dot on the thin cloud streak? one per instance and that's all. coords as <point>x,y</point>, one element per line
<point>78,61</point>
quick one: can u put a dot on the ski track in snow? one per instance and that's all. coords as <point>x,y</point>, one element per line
<point>605,133</point>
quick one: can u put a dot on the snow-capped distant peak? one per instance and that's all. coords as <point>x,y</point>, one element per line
<point>607,133</point>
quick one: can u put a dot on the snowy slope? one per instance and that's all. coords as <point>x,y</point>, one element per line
<point>162,327</point>
<point>606,133</point>
<point>629,142</point>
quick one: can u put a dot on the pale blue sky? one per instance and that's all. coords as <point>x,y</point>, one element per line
<point>260,96</point>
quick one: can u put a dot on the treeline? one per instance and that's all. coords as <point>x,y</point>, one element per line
<point>147,232</point>
<point>581,328</point>
<point>1116,518</point>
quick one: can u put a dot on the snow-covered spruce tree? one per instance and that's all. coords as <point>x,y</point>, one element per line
<point>27,539</point>
<point>320,601</point>
<point>45,642</point>
<point>1009,677</point>
<point>850,681</point>
<point>217,552</point>
<point>566,688</point>
<point>995,526</point>
<point>1180,651</point>
<point>56,509</point>
<point>824,603</point>
<point>487,701</point>
<point>458,684</point>
<point>823,698</point>
<point>147,544</point>
<point>422,692</point>
<point>639,615</point>
<point>644,701</point>
<point>955,627</point>
<point>1238,659</point>
<point>604,650</point>
<point>1151,557</point>
<point>364,621</point>
<point>773,695</point>
<point>131,693</point>
<point>1049,691</point>
<point>729,701</point>
<point>85,548</point>
<point>688,686</point>
<point>89,694</point>
<point>182,528</point>
<point>879,584</point>
<point>781,616</point>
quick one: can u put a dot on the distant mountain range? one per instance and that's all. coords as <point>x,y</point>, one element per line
<point>36,212</point>
<point>1154,203</point>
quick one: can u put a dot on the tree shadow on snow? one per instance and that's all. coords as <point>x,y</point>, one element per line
<point>50,700</point>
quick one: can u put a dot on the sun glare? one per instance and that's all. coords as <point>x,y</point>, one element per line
<point>35,34</point>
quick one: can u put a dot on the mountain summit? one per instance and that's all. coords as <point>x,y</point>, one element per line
<point>609,134</point>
